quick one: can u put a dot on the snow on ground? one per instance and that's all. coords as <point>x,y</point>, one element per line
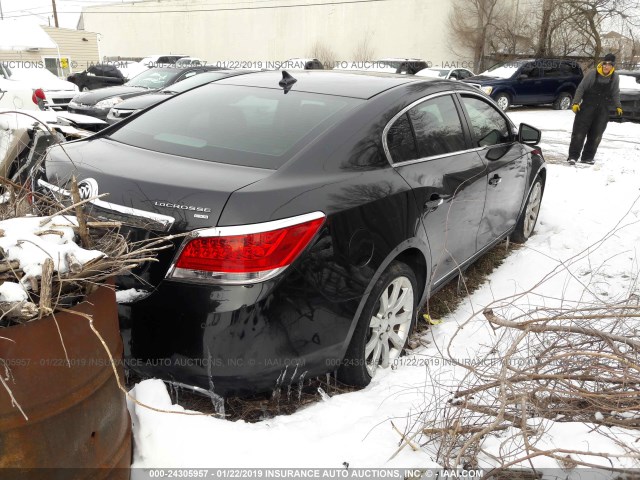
<point>580,207</point>
<point>31,240</point>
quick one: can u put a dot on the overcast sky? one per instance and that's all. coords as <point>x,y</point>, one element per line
<point>41,11</point>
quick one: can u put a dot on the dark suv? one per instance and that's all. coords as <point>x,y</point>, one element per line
<point>530,82</point>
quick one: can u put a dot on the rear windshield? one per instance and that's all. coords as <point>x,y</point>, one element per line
<point>238,125</point>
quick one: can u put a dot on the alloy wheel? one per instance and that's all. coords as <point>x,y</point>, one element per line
<point>389,328</point>
<point>533,208</point>
<point>565,103</point>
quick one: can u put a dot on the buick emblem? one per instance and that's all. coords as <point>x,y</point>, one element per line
<point>87,188</point>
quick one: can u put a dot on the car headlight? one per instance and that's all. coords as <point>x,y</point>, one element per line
<point>487,90</point>
<point>108,103</point>
<point>73,104</point>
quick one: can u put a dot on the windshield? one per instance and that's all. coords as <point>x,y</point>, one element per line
<point>257,127</point>
<point>503,70</point>
<point>154,78</point>
<point>194,81</point>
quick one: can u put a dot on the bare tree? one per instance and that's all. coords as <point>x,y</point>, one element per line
<point>635,48</point>
<point>364,51</point>
<point>543,44</point>
<point>471,23</point>
<point>589,17</point>
<point>324,53</point>
<point>514,33</point>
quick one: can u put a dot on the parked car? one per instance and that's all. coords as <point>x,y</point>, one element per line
<point>409,66</point>
<point>530,82</point>
<point>130,69</point>
<point>629,97</point>
<point>135,104</point>
<point>155,61</point>
<point>446,73</point>
<point>58,93</point>
<point>97,76</point>
<point>97,103</point>
<point>17,95</point>
<point>318,220</point>
<point>189,62</point>
<point>302,64</point>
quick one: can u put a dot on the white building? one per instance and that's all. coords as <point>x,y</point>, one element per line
<point>275,30</point>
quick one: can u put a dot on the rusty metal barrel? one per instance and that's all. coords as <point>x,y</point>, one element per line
<point>78,425</point>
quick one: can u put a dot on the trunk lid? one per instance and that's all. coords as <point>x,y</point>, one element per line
<point>145,188</point>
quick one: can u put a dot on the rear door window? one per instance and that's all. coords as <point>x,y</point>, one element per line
<point>531,70</point>
<point>401,141</point>
<point>437,127</point>
<point>552,69</point>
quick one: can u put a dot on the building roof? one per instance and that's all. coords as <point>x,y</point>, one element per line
<point>19,35</point>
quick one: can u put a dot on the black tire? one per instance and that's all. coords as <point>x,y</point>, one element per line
<point>529,216</point>
<point>563,102</point>
<point>355,370</point>
<point>503,100</point>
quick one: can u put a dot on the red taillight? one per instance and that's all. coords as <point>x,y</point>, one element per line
<point>38,96</point>
<point>251,254</point>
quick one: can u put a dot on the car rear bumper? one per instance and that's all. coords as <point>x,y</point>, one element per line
<point>236,339</point>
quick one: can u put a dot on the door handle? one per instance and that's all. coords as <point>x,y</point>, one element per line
<point>434,202</point>
<point>495,180</point>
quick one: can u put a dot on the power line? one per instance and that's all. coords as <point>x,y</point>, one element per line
<point>197,10</point>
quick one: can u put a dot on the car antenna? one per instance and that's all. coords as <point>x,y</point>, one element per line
<point>287,81</point>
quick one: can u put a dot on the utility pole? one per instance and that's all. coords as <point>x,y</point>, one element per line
<point>55,13</point>
<point>1,14</point>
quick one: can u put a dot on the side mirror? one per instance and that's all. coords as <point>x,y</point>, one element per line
<point>529,135</point>
<point>524,76</point>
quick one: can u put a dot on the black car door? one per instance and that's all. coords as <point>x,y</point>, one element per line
<point>551,81</point>
<point>507,165</point>
<point>430,150</point>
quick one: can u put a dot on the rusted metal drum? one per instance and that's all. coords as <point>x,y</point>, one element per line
<point>78,425</point>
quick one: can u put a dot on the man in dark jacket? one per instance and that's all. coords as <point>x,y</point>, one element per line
<point>599,89</point>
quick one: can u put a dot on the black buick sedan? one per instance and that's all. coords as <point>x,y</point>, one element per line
<point>323,209</point>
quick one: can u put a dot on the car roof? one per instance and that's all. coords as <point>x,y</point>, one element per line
<point>355,84</point>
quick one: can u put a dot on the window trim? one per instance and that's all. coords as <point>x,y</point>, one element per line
<point>464,121</point>
<point>404,111</point>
